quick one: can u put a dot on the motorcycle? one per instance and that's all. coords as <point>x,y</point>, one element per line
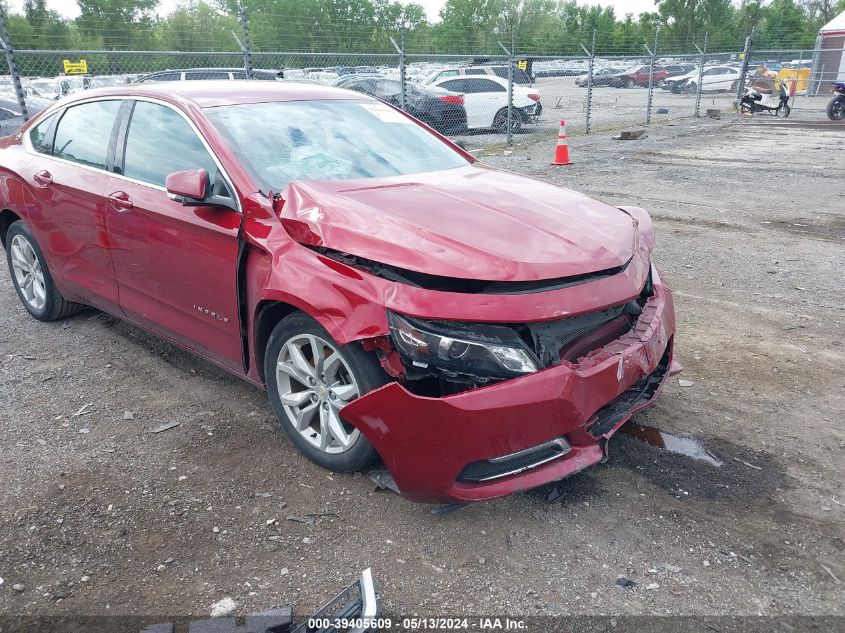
<point>836,107</point>
<point>754,101</point>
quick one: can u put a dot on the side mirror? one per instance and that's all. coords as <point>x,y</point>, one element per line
<point>191,184</point>
<point>191,188</point>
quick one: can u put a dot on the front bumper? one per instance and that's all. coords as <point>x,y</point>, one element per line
<point>427,443</point>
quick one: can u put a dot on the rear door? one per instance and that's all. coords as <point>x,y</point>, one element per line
<point>176,266</point>
<point>474,105</point>
<point>68,179</point>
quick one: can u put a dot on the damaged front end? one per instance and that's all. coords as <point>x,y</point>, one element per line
<point>452,433</point>
<point>514,360</point>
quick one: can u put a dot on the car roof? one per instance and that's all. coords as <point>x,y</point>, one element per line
<point>207,93</point>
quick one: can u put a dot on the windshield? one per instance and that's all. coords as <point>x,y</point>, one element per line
<point>280,142</point>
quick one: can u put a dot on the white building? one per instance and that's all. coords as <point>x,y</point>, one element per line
<point>830,54</point>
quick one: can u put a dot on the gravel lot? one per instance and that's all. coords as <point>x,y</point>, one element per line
<point>100,515</point>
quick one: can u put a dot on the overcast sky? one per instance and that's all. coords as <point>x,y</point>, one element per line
<point>432,7</point>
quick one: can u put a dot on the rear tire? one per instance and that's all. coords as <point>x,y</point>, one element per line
<point>836,109</point>
<point>32,279</point>
<point>309,379</point>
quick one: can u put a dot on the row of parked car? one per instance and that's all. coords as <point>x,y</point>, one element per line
<point>679,78</point>
<point>451,100</point>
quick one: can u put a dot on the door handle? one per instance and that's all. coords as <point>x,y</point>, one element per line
<point>119,201</point>
<point>43,178</point>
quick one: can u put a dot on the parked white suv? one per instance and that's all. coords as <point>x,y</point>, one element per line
<point>519,76</point>
<point>486,101</point>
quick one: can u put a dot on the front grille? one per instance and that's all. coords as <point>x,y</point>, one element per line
<point>641,392</point>
<point>513,463</point>
<point>572,338</point>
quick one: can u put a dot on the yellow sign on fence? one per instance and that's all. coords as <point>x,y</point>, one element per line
<point>76,68</point>
<point>522,64</point>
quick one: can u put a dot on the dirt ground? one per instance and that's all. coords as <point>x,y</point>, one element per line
<point>100,515</point>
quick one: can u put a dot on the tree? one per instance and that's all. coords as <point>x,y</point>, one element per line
<point>198,26</point>
<point>118,23</point>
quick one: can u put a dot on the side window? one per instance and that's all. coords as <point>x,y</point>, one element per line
<point>484,85</point>
<point>5,114</point>
<point>475,71</point>
<point>502,72</point>
<point>519,76</point>
<point>455,85</point>
<point>84,133</point>
<point>41,136</point>
<point>163,77</point>
<point>160,142</point>
<point>387,87</point>
<point>447,73</point>
<point>367,86</point>
<point>242,75</point>
<point>206,74</point>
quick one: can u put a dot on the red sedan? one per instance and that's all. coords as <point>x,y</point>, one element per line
<point>638,76</point>
<point>480,332</point>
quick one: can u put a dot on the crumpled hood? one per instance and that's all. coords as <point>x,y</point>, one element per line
<point>471,223</point>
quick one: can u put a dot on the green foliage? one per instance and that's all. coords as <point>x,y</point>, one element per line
<point>557,27</point>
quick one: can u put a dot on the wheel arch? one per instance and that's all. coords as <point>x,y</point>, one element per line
<point>267,314</point>
<point>7,218</point>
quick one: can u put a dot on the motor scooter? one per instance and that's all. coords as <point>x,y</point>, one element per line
<point>776,102</point>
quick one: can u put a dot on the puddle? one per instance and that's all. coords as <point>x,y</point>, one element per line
<point>688,446</point>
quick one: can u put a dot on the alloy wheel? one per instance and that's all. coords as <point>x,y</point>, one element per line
<point>315,383</point>
<point>28,273</point>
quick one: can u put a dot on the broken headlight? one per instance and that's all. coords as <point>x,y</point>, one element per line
<point>480,351</point>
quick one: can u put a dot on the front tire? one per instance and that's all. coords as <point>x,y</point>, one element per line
<point>783,110</point>
<point>500,121</point>
<point>32,279</point>
<point>309,379</point>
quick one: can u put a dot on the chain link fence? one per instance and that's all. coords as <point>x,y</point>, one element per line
<point>500,95</point>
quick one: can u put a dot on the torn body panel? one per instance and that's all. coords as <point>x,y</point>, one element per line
<point>427,442</point>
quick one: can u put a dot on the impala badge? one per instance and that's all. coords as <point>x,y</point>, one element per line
<point>210,313</point>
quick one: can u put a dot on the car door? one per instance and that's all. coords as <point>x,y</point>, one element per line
<point>176,266</point>
<point>68,181</point>
<point>490,97</point>
<point>710,79</point>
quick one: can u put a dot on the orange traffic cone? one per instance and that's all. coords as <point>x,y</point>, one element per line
<point>562,149</point>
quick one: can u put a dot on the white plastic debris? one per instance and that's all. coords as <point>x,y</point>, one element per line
<point>223,607</point>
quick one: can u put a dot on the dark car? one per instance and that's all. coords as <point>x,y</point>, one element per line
<point>10,117</point>
<point>10,112</point>
<point>438,108</point>
<point>194,74</point>
<point>601,77</point>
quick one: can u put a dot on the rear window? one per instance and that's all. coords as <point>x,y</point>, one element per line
<point>280,142</point>
<point>84,133</point>
<point>205,74</point>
